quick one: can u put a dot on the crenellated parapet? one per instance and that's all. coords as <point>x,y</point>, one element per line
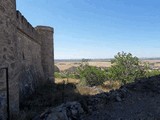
<point>26,28</point>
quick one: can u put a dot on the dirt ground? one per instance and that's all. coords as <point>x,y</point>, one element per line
<point>141,101</point>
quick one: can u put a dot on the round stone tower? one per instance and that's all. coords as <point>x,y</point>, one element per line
<point>47,54</point>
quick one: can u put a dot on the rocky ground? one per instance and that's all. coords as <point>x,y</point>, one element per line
<point>135,101</point>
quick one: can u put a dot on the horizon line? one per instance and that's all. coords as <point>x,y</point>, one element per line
<point>101,58</point>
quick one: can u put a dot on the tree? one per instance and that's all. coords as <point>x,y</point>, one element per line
<point>125,68</point>
<point>85,60</point>
<point>91,76</point>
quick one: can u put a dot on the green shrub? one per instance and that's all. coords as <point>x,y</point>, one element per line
<point>71,70</point>
<point>126,68</point>
<point>60,75</point>
<point>91,76</point>
<point>73,76</point>
<point>150,73</point>
<point>66,75</point>
<point>57,75</point>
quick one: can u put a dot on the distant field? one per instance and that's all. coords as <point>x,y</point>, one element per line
<point>152,61</point>
<point>65,65</point>
<point>157,62</point>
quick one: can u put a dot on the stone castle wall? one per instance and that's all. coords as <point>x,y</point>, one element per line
<point>30,58</point>
<point>8,58</point>
<point>27,52</point>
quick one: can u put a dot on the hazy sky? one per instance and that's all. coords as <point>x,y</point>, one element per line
<point>98,28</point>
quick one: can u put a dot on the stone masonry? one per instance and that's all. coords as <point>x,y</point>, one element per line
<point>27,52</point>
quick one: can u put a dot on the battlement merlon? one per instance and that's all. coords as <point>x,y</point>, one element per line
<point>26,28</point>
<point>45,28</point>
<point>46,33</point>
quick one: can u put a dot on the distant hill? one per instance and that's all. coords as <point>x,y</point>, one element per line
<point>80,60</point>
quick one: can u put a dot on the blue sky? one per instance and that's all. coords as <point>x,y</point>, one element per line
<point>98,28</point>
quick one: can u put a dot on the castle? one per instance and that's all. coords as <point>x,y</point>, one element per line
<point>26,57</point>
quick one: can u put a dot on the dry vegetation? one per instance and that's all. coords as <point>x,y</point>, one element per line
<point>155,62</point>
<point>84,90</point>
<point>66,80</point>
<point>152,61</point>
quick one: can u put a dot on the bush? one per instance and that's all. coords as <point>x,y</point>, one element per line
<point>125,68</point>
<point>150,73</point>
<point>91,76</point>
<point>60,75</point>
<point>71,70</point>
<point>73,76</point>
<point>66,75</point>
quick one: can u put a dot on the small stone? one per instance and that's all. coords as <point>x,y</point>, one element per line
<point>118,99</point>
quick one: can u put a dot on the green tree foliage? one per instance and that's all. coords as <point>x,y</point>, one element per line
<point>91,76</point>
<point>125,68</point>
<point>60,75</point>
<point>151,73</point>
<point>85,60</point>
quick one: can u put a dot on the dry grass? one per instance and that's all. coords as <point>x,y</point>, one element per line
<point>83,90</point>
<point>100,64</point>
<point>66,65</point>
<point>87,90</point>
<point>108,85</point>
<point>66,80</point>
<point>151,61</point>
